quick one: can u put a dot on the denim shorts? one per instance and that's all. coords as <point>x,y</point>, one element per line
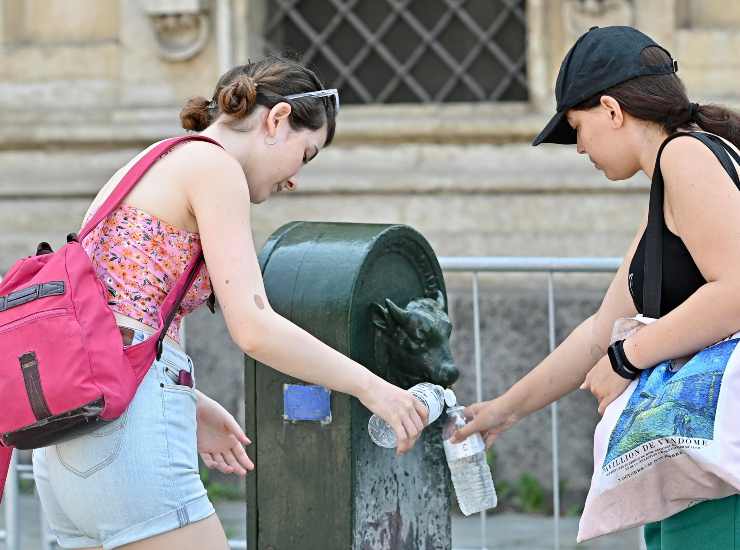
<point>133,478</point>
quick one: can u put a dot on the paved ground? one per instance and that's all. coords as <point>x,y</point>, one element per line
<point>503,531</point>
<point>525,532</point>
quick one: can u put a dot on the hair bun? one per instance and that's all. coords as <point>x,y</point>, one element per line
<point>239,97</point>
<point>194,115</point>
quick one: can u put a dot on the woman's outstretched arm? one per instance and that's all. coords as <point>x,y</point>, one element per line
<point>218,196</point>
<point>564,369</point>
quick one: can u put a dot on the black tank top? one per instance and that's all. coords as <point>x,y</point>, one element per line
<point>681,276</point>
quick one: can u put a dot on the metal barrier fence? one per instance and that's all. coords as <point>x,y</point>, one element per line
<point>472,265</point>
<point>549,266</point>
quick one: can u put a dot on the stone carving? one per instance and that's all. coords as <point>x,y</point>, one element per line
<point>180,27</point>
<point>413,343</point>
<point>581,15</point>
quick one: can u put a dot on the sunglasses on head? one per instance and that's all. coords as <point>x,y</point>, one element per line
<point>331,92</point>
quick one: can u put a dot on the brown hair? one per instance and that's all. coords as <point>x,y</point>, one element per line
<point>265,82</point>
<point>663,99</point>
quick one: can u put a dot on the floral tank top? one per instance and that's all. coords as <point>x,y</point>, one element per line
<point>139,257</point>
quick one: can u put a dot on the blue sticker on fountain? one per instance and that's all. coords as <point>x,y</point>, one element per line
<point>306,402</point>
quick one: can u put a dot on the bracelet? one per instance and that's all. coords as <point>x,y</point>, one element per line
<point>620,364</point>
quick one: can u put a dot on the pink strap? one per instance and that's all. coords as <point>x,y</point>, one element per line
<point>175,296</point>
<point>124,187</point>
<point>133,176</point>
<point>6,453</point>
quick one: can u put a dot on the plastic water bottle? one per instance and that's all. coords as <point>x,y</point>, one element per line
<point>433,398</point>
<point>471,475</point>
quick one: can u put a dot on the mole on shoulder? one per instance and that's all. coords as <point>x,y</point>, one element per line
<point>258,300</point>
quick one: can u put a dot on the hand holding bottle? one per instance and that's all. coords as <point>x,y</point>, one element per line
<point>432,397</point>
<point>469,470</point>
<point>489,418</point>
<point>401,410</point>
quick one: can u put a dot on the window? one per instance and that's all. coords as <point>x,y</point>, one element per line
<point>405,51</point>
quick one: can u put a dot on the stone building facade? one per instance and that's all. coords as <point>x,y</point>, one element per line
<point>85,84</point>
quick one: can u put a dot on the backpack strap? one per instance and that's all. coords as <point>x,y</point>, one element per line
<point>132,177</point>
<point>168,308</point>
<point>6,454</point>
<point>653,279</point>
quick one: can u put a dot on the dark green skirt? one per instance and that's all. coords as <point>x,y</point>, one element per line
<point>711,525</point>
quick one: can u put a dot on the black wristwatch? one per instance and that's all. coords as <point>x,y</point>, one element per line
<point>620,364</point>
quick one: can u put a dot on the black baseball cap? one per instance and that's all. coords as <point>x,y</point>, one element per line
<point>601,58</point>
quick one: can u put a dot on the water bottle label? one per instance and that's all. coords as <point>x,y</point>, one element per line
<point>431,396</point>
<point>473,445</point>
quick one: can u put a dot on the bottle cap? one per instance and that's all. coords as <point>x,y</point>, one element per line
<point>458,410</point>
<point>450,398</point>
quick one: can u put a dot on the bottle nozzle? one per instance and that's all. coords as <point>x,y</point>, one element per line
<point>450,398</point>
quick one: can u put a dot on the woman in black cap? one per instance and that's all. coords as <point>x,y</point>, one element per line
<point>619,100</point>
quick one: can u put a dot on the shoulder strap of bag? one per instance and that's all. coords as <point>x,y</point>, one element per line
<point>169,306</point>
<point>6,453</point>
<point>168,309</point>
<point>653,280</point>
<point>735,155</point>
<point>724,154</point>
<point>722,142</point>
<point>132,177</point>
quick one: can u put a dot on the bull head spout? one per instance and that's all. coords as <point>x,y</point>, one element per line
<point>414,342</point>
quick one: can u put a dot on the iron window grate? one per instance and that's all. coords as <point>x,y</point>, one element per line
<point>406,51</point>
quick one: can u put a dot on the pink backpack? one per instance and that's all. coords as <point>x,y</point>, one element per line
<point>64,369</point>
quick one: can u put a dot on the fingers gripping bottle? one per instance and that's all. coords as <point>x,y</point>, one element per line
<point>469,469</point>
<point>433,398</point>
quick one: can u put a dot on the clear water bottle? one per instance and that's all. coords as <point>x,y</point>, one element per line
<point>471,475</point>
<point>433,398</point>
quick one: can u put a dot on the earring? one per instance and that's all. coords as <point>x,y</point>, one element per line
<point>270,141</point>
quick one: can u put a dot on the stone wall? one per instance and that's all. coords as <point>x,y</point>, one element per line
<point>84,86</point>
